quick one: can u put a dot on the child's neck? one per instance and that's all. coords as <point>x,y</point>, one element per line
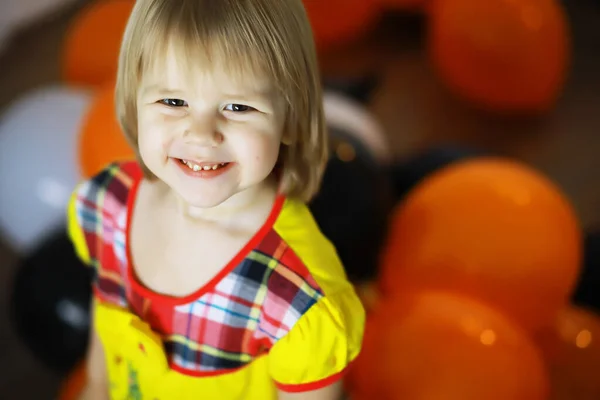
<point>250,201</point>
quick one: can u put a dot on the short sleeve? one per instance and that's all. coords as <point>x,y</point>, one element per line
<point>75,226</point>
<point>316,352</point>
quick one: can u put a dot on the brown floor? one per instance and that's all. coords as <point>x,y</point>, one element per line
<point>415,110</point>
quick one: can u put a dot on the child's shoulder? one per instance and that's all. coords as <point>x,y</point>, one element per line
<point>110,187</point>
<point>309,252</point>
<point>98,202</point>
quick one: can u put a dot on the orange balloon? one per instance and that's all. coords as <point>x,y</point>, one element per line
<point>506,55</point>
<point>102,140</point>
<point>73,386</point>
<point>91,48</point>
<point>403,4</point>
<point>572,352</point>
<point>490,228</point>
<point>336,22</point>
<point>369,295</point>
<point>361,379</point>
<point>436,345</point>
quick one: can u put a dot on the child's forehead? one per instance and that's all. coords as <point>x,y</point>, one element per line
<point>174,67</point>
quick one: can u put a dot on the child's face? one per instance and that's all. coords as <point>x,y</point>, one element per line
<point>208,136</point>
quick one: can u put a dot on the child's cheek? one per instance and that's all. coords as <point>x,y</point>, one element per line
<point>162,123</point>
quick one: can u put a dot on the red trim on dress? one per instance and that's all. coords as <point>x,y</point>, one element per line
<point>203,374</point>
<point>309,387</point>
<point>138,287</point>
<point>99,295</point>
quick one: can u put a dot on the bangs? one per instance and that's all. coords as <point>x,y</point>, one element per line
<point>223,34</point>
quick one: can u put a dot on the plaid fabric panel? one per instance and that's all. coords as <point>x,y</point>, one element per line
<point>291,290</point>
<point>102,213</point>
<point>246,313</point>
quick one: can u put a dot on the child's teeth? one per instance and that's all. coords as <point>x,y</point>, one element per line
<point>197,167</point>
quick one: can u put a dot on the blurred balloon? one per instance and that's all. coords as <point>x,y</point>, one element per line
<point>407,174</point>
<point>50,303</point>
<point>38,162</point>
<point>492,229</point>
<point>345,114</point>
<point>353,205</point>
<point>572,351</point>
<point>91,46</point>
<point>18,15</point>
<point>354,202</point>
<point>102,140</point>
<point>403,5</point>
<point>362,379</point>
<point>587,293</point>
<point>359,89</point>
<point>74,384</point>
<point>368,292</point>
<point>504,55</point>
<point>336,22</point>
<point>435,345</point>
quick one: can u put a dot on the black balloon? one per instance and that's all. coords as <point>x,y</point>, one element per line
<point>353,205</point>
<point>409,173</point>
<point>359,89</point>
<point>50,304</point>
<point>587,292</point>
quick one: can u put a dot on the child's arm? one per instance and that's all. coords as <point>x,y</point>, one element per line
<point>331,392</point>
<point>96,387</point>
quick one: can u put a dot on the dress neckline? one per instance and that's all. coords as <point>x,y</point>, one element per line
<point>150,294</point>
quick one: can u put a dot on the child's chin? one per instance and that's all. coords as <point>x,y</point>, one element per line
<point>204,201</point>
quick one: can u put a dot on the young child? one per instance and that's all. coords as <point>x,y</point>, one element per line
<point>213,280</point>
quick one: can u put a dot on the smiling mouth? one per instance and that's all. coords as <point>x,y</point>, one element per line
<point>204,166</point>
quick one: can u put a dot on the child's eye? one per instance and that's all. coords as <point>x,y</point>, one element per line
<point>240,108</point>
<point>173,102</point>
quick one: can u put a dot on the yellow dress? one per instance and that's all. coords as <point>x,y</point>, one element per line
<point>281,314</point>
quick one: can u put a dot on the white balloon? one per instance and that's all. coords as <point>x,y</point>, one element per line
<point>39,168</point>
<point>346,114</point>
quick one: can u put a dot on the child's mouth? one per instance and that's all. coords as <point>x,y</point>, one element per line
<point>204,166</point>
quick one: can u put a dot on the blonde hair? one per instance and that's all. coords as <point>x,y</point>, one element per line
<point>270,36</point>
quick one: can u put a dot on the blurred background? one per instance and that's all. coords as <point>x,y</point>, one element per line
<point>462,190</point>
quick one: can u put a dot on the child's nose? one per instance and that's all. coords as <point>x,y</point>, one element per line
<point>203,132</point>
